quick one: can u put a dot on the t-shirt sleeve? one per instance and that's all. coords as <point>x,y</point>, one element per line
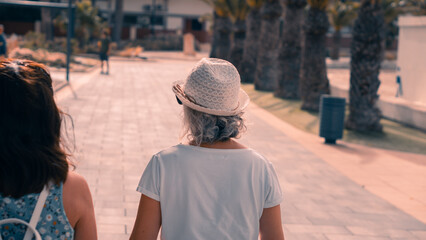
<point>149,185</point>
<point>273,193</point>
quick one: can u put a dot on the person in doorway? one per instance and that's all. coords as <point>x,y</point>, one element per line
<point>37,187</point>
<point>3,43</point>
<point>104,50</point>
<point>212,186</point>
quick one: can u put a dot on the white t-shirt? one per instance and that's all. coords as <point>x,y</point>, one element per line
<point>209,193</point>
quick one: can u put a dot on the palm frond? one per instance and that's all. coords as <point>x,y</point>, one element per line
<point>342,14</point>
<point>237,9</point>
<point>254,3</point>
<point>234,9</point>
<point>391,10</point>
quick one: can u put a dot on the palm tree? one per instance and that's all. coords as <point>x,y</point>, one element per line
<point>221,37</point>
<point>341,15</point>
<point>87,23</point>
<point>222,27</point>
<point>367,50</point>
<point>248,64</point>
<point>228,37</point>
<point>391,10</point>
<point>265,77</point>
<point>237,10</point>
<point>313,77</point>
<point>290,50</point>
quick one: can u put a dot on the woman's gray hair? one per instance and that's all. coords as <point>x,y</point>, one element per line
<point>205,128</point>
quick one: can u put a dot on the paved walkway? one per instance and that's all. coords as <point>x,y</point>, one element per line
<point>122,119</point>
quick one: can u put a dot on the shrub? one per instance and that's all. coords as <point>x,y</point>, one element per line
<point>52,59</point>
<point>33,40</point>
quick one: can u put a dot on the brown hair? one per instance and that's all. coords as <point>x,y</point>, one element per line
<point>31,153</point>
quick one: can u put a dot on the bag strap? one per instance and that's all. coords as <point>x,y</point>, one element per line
<point>31,226</point>
<point>16,220</point>
<point>37,211</point>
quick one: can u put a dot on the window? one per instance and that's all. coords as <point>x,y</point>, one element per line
<point>157,20</point>
<point>196,25</point>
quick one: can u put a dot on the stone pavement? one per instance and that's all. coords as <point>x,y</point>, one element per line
<point>120,120</point>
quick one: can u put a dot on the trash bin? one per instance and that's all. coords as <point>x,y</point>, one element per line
<point>332,118</point>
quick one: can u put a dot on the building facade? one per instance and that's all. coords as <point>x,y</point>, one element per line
<point>144,17</point>
<point>140,17</point>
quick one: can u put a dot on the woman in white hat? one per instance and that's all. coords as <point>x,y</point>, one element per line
<point>212,187</point>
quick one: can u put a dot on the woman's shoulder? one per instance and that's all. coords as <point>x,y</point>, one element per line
<point>76,185</point>
<point>167,151</point>
<point>76,196</point>
<point>74,178</point>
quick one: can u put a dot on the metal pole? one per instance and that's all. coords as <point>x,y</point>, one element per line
<point>69,32</point>
<point>166,9</point>
<point>154,7</point>
<point>109,13</point>
<point>40,4</point>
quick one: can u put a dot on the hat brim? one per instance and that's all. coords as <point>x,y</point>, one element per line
<point>243,101</point>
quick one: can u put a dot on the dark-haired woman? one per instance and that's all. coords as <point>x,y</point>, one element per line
<point>211,187</point>
<point>36,184</point>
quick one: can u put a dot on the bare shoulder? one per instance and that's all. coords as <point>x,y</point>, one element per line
<point>230,144</point>
<point>233,144</point>
<point>240,146</point>
<point>74,180</point>
<point>77,187</point>
<point>76,197</point>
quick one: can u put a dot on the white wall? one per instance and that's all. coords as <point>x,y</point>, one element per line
<point>193,7</point>
<point>136,5</point>
<point>190,7</point>
<point>412,57</point>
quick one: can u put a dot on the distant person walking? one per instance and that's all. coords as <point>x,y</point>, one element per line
<point>104,50</point>
<point>3,44</point>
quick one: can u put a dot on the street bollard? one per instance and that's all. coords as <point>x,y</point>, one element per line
<point>332,118</point>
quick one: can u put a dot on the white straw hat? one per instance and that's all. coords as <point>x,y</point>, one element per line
<point>212,87</point>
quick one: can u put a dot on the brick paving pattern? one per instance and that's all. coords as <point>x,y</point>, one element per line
<point>120,120</point>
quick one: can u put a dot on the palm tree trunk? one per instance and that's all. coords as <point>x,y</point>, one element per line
<point>215,36</point>
<point>290,51</point>
<point>248,64</point>
<point>237,43</point>
<point>335,50</point>
<point>266,74</point>
<point>367,51</point>
<point>313,78</point>
<point>221,37</point>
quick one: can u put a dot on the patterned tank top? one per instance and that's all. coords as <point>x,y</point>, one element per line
<point>53,222</point>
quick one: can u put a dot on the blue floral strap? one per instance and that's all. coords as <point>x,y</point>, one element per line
<point>31,226</point>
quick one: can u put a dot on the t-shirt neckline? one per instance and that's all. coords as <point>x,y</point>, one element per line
<point>213,149</point>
